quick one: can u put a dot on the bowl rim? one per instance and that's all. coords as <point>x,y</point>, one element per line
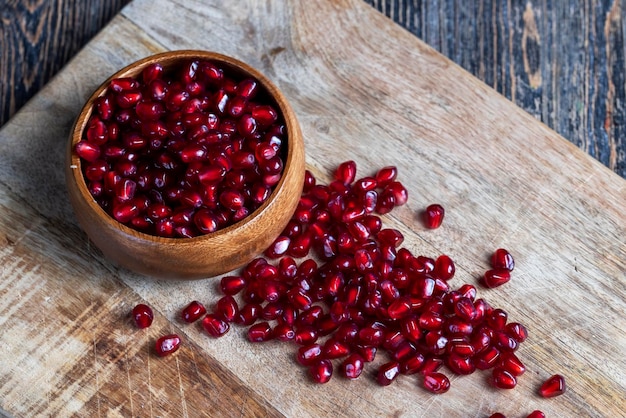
<point>133,69</point>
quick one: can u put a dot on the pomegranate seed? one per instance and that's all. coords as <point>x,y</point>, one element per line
<point>386,175</point>
<point>260,332</point>
<point>321,371</point>
<point>193,311</point>
<point>503,379</point>
<point>517,331</point>
<point>497,415</point>
<point>412,364</point>
<point>308,354</point>
<point>346,172</point>
<point>502,259</point>
<point>333,349</point>
<point>352,366</point>
<point>167,345</point>
<point>496,277</point>
<point>536,414</point>
<point>305,335</point>
<point>226,307</point>
<point>249,313</point>
<point>436,383</point>
<point>387,373</point>
<point>433,216</point>
<point>512,364</point>
<point>231,285</point>
<point>87,150</point>
<point>444,267</point>
<point>142,315</point>
<point>215,325</point>
<point>554,386</point>
<point>459,364</point>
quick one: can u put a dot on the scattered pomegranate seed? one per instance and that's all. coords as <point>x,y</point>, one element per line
<point>536,414</point>
<point>167,345</point>
<point>436,383</point>
<point>554,386</point>
<point>433,216</point>
<point>142,315</point>
<point>193,311</point>
<point>215,325</point>
<point>496,277</point>
<point>194,138</point>
<point>502,259</point>
<point>497,415</point>
<point>321,371</point>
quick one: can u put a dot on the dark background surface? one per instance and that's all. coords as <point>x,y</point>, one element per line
<point>561,61</point>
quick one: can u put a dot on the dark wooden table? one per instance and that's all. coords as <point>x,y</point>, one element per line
<point>563,62</point>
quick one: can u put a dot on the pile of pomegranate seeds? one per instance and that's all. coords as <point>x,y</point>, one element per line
<point>184,152</point>
<point>366,295</point>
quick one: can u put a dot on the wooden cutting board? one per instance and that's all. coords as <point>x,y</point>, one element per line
<point>363,89</point>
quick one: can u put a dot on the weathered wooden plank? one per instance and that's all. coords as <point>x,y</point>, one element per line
<point>363,89</point>
<point>562,63</point>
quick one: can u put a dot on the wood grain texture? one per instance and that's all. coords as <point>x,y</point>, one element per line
<point>363,89</point>
<point>38,37</point>
<point>564,63</point>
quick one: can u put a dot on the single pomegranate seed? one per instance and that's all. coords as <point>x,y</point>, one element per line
<point>88,151</point>
<point>321,371</point>
<point>386,175</point>
<point>215,325</point>
<point>346,172</point>
<point>226,307</point>
<point>193,311</point>
<point>352,366</point>
<point>433,216</point>
<point>512,364</point>
<point>333,349</point>
<point>249,313</point>
<point>487,358</point>
<point>517,331</point>
<point>436,383</point>
<point>260,332</point>
<point>554,386</point>
<point>536,414</point>
<point>502,259</point>
<point>167,345</point>
<point>496,277</point>
<point>503,379</point>
<point>444,267</point>
<point>387,373</point>
<point>231,285</point>
<point>142,315</point>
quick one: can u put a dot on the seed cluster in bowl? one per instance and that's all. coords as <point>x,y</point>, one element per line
<point>184,151</point>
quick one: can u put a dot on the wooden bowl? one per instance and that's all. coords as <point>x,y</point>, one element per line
<point>203,256</point>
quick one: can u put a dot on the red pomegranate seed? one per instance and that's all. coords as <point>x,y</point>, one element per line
<point>226,307</point>
<point>436,383</point>
<point>193,311</point>
<point>536,414</point>
<point>554,386</point>
<point>284,332</point>
<point>386,175</point>
<point>517,331</point>
<point>260,332</point>
<point>215,325</point>
<point>512,364</point>
<point>88,151</point>
<point>308,354</point>
<point>346,172</point>
<point>444,267</point>
<point>387,373</point>
<point>503,379</point>
<point>249,313</point>
<point>502,259</point>
<point>497,415</point>
<point>487,358</point>
<point>231,285</point>
<point>352,366</point>
<point>321,371</point>
<point>167,345</point>
<point>459,364</point>
<point>142,315</point>
<point>333,349</point>
<point>433,216</point>
<point>496,277</point>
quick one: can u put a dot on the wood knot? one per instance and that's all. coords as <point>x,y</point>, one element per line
<point>531,43</point>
